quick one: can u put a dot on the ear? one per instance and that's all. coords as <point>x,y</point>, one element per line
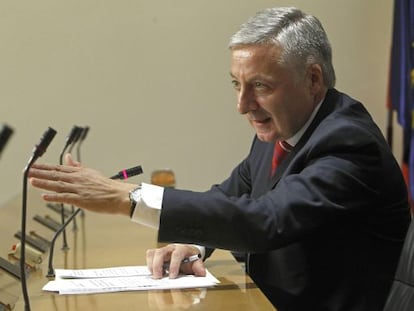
<point>315,78</point>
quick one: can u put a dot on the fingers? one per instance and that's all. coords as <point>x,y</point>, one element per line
<point>175,262</point>
<point>67,198</point>
<point>156,258</point>
<point>53,173</point>
<point>52,167</point>
<point>43,175</point>
<point>48,177</point>
<point>50,185</point>
<point>197,267</point>
<point>173,255</point>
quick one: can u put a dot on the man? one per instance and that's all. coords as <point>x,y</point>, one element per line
<point>322,228</point>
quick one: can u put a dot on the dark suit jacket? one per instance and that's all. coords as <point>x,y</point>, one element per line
<point>326,232</point>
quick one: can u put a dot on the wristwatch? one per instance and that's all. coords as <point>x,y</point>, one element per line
<point>134,198</point>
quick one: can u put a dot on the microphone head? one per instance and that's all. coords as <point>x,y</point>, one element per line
<point>137,170</point>
<point>72,135</point>
<point>5,134</point>
<point>78,134</point>
<point>129,172</point>
<point>47,137</point>
<point>84,133</point>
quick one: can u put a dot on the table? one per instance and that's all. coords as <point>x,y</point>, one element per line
<point>107,241</point>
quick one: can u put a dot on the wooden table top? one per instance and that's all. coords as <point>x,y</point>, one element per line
<point>108,241</point>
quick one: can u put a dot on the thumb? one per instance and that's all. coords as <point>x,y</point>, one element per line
<point>71,161</point>
<point>198,268</point>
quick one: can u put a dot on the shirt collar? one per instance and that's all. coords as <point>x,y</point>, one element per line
<point>295,138</point>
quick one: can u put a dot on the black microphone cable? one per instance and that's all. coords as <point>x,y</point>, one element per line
<point>38,151</point>
<point>136,170</point>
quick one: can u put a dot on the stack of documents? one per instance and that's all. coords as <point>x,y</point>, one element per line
<point>116,279</point>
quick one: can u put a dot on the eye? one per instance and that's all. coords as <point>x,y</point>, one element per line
<point>259,85</point>
<point>236,84</point>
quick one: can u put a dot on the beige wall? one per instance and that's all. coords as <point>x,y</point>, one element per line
<point>150,78</point>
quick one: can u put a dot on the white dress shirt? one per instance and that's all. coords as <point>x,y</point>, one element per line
<point>148,208</point>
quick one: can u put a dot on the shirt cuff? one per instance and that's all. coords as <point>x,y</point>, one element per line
<point>201,249</point>
<point>148,208</point>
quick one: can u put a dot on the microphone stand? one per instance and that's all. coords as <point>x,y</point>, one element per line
<point>37,152</point>
<point>50,270</point>
<point>124,174</point>
<point>74,133</point>
<point>78,139</point>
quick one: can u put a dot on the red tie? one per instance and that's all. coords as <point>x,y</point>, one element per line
<point>282,148</point>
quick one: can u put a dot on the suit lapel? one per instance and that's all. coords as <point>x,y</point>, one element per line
<point>326,108</point>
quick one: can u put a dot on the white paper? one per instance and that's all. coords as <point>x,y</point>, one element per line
<point>102,272</point>
<point>130,278</point>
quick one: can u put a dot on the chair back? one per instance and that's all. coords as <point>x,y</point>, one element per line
<point>401,297</point>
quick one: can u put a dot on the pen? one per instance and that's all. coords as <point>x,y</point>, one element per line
<point>185,260</point>
<point>191,258</point>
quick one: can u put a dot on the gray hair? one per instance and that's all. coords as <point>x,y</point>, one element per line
<point>301,37</point>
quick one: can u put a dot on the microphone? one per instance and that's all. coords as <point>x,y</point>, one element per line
<point>70,139</point>
<point>82,137</point>
<point>76,137</point>
<point>126,173</point>
<point>50,271</point>
<point>5,134</point>
<point>41,147</point>
<point>37,152</point>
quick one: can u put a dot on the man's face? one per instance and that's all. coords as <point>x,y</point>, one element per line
<point>276,100</point>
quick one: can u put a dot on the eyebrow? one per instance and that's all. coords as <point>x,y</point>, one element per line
<point>255,77</point>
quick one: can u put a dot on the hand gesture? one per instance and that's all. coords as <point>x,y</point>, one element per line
<point>81,186</point>
<point>174,254</point>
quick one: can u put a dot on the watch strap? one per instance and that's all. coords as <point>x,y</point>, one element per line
<point>134,197</point>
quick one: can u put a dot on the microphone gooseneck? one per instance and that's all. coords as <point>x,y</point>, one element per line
<point>70,139</point>
<point>50,270</point>
<point>78,139</point>
<point>38,151</point>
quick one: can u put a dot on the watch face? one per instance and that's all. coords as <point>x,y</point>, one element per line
<point>136,194</point>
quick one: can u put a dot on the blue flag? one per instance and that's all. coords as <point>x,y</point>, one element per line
<point>401,92</point>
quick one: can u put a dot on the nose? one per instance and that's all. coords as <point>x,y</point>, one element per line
<point>246,101</point>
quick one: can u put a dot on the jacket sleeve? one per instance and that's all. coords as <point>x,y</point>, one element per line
<point>343,173</point>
